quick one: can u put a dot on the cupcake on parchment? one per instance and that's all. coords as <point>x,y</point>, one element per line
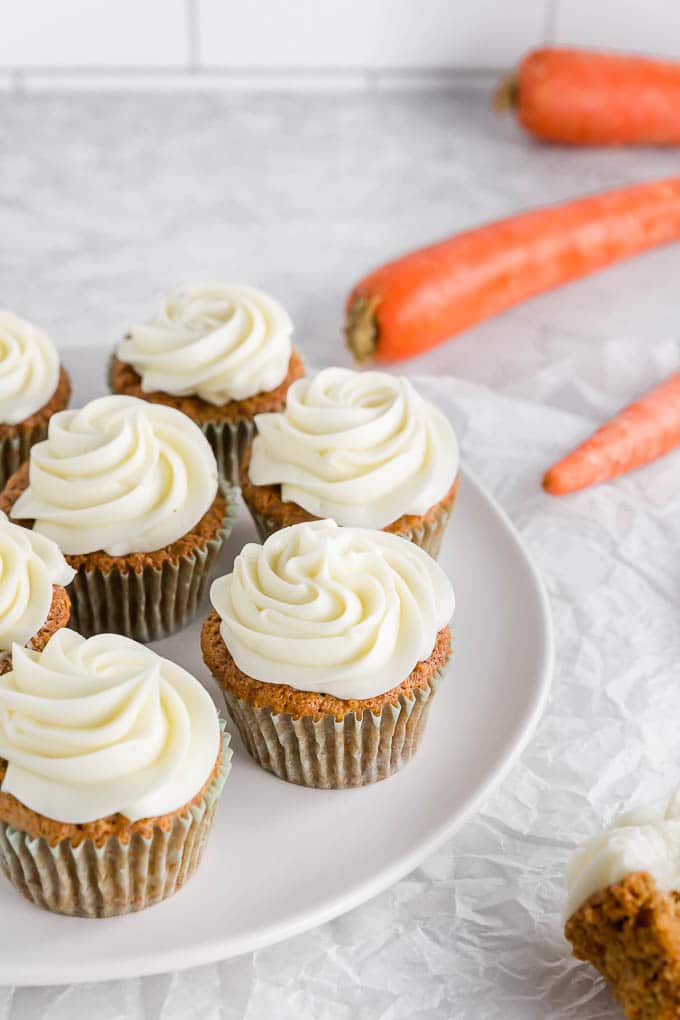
<point>32,387</point>
<point>33,600</point>
<point>623,909</point>
<point>129,492</point>
<point>112,760</point>
<point>221,353</point>
<point>362,448</point>
<point>329,644</point>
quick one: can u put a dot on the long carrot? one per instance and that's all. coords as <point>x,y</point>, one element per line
<point>641,432</point>
<point>421,299</point>
<point>590,98</point>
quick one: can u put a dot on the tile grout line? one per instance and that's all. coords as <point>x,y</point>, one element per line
<point>551,21</point>
<point>192,22</point>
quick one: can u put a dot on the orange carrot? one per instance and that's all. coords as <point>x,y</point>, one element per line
<point>641,432</point>
<point>589,98</point>
<point>421,299</point>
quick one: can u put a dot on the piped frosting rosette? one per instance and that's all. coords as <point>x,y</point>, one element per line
<point>30,565</point>
<point>29,368</point>
<point>119,475</point>
<point>345,611</point>
<point>363,448</point>
<point>219,342</point>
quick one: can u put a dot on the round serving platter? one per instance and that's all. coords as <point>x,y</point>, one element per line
<point>282,858</point>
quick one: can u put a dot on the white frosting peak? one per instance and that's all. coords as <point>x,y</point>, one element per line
<point>644,839</point>
<point>29,369</point>
<point>361,447</point>
<point>102,726</point>
<point>120,474</point>
<point>30,565</point>
<point>217,341</point>
<point>342,611</point>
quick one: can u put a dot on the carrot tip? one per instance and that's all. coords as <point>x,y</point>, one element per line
<point>506,96</point>
<point>361,328</point>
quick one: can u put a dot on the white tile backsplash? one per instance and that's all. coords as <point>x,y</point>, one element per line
<point>368,33</point>
<point>643,26</point>
<point>93,33</point>
<point>274,44</point>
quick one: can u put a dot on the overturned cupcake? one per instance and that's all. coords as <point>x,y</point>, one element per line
<point>221,353</point>
<point>329,644</point>
<point>112,760</point>
<point>129,492</point>
<point>623,909</point>
<point>362,448</point>
<point>32,387</point>
<point>33,601</point>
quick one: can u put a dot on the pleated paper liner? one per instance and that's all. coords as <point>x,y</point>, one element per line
<point>14,450</point>
<point>229,441</point>
<point>428,535</point>
<point>154,602</point>
<point>116,878</point>
<point>331,755</point>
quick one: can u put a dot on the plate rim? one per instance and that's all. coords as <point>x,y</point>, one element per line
<point>210,951</point>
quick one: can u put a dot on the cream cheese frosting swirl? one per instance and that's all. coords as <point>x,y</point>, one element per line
<point>121,475</point>
<point>30,565</point>
<point>29,368</point>
<point>361,447</point>
<point>644,839</point>
<point>341,611</point>
<point>216,341</point>
<point>102,726</point>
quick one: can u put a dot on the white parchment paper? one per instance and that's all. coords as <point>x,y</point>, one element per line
<point>476,931</point>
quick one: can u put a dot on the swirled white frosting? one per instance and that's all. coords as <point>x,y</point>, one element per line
<point>120,474</point>
<point>644,839</point>
<point>29,368</point>
<point>216,341</point>
<point>342,611</point>
<point>29,565</point>
<point>361,447</point>
<point>99,726</point>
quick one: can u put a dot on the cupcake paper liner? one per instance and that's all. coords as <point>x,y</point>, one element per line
<point>331,755</point>
<point>116,878</point>
<point>229,441</point>
<point>14,450</point>
<point>428,534</point>
<point>152,603</point>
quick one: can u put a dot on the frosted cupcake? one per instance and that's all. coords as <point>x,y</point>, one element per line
<point>221,353</point>
<point>329,644</point>
<point>362,448</point>
<point>129,492</point>
<point>623,908</point>
<point>32,387</point>
<point>110,773</point>
<point>33,602</point>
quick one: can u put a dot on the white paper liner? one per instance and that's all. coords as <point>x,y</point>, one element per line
<point>229,441</point>
<point>332,755</point>
<point>154,602</point>
<point>427,535</point>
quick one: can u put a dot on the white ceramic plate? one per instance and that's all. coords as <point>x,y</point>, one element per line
<point>283,859</point>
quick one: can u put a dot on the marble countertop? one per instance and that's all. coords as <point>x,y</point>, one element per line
<point>107,201</point>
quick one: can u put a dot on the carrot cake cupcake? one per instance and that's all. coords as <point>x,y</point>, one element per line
<point>329,644</point>
<point>362,448</point>
<point>33,602</point>
<point>129,492</point>
<point>112,760</point>
<point>221,353</point>
<point>32,387</point>
<point>623,909</point>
